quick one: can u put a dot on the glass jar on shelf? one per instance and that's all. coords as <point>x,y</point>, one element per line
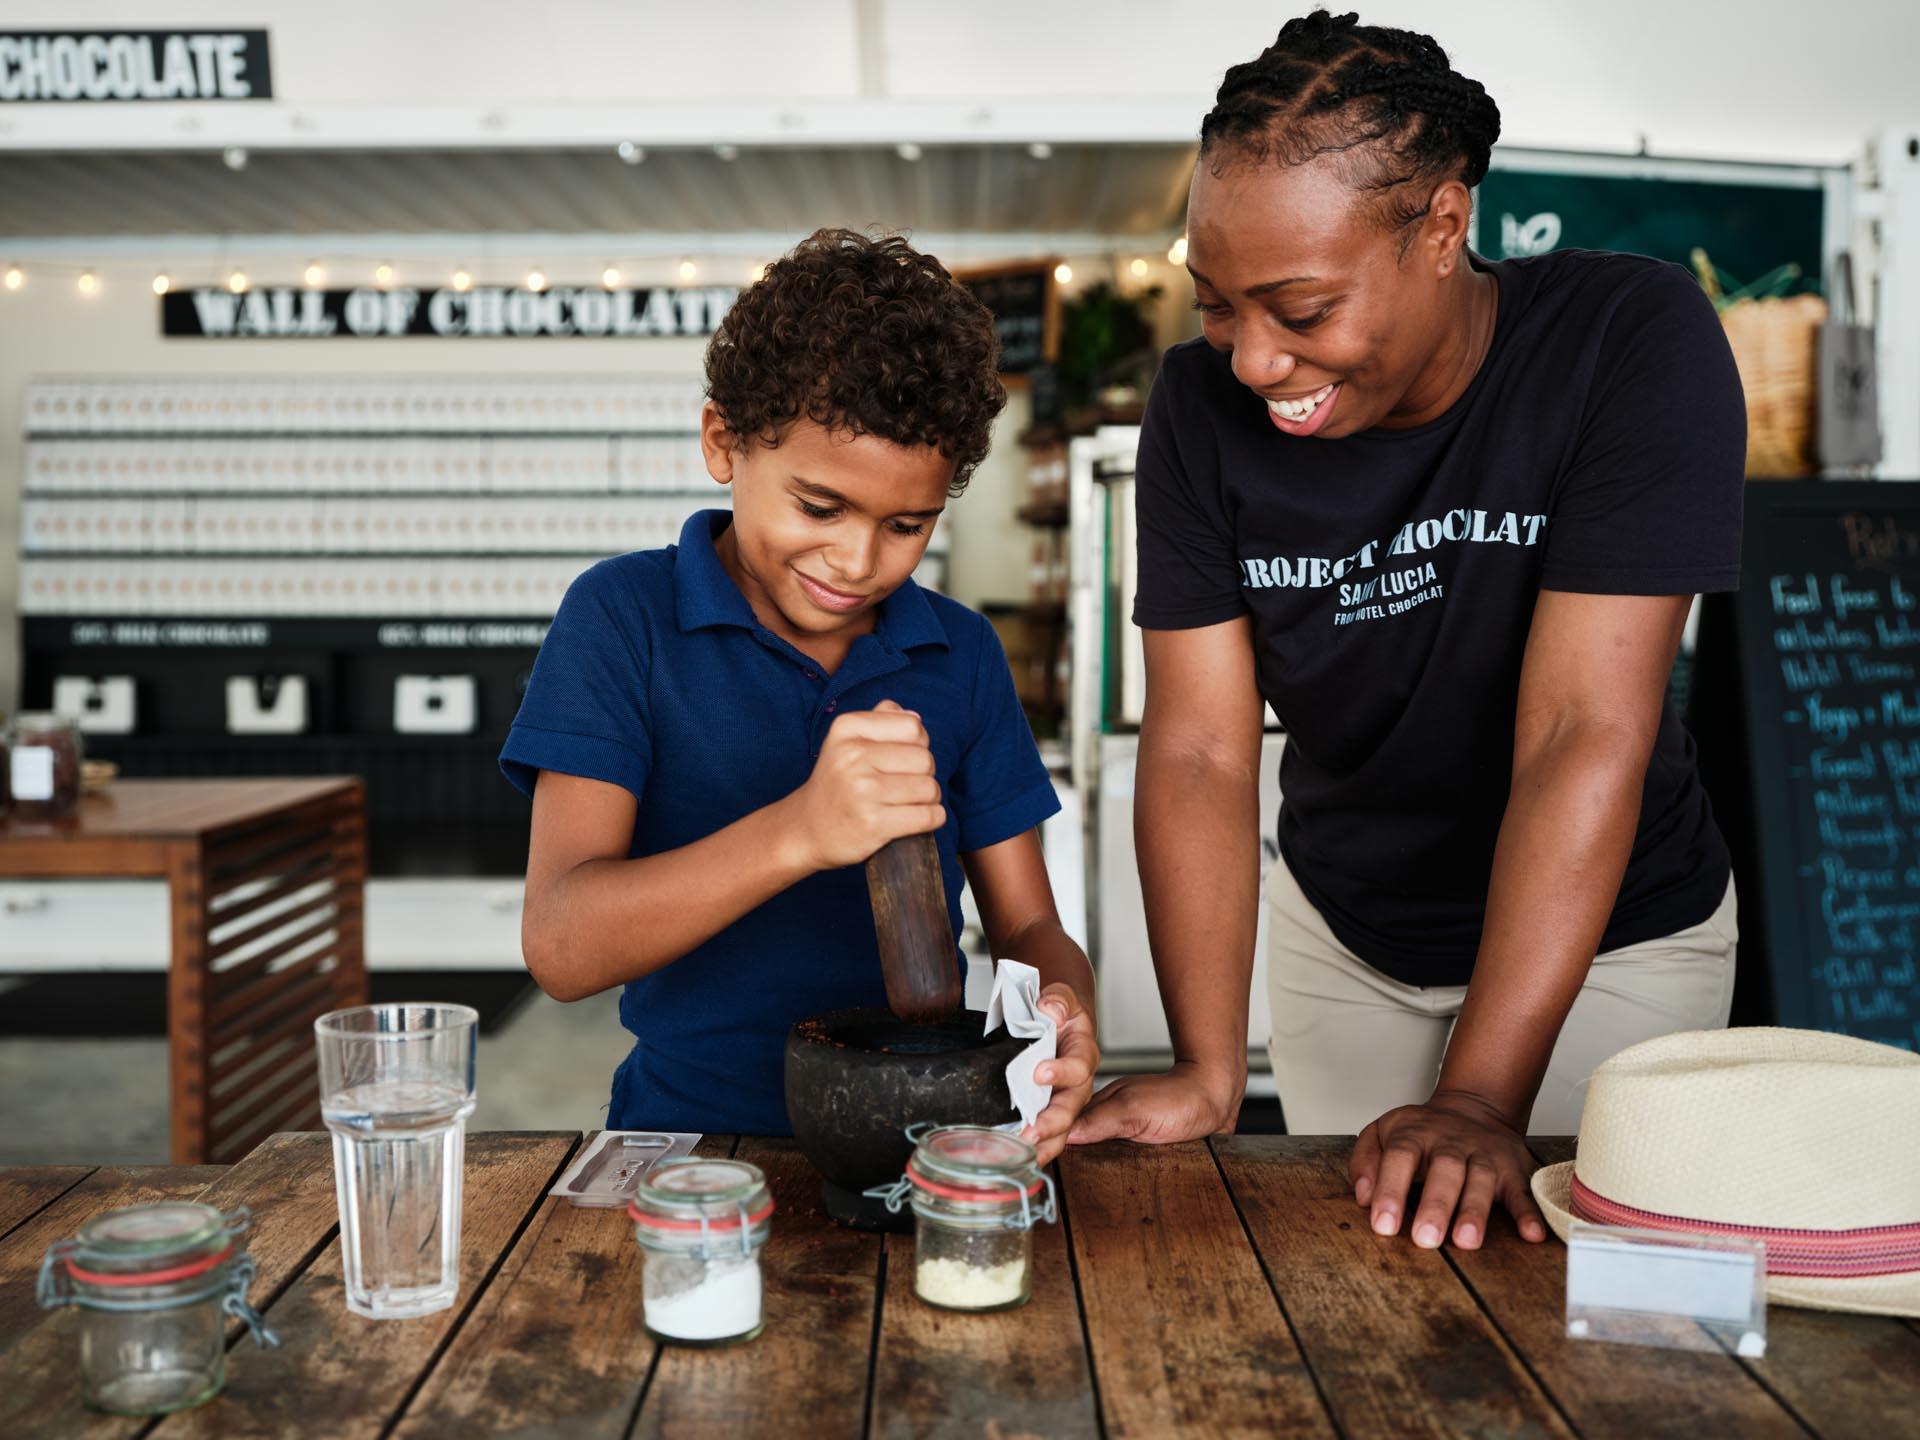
<point>701,1225</point>
<point>154,1284</point>
<point>43,766</point>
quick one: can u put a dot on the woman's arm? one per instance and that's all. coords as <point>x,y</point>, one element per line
<point>1196,830</point>
<point>595,918</point>
<point>1591,689</point>
<point>1010,883</point>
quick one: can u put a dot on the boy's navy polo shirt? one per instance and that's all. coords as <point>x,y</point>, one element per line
<point>656,677</point>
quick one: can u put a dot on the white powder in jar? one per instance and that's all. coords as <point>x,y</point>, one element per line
<point>725,1303</point>
<point>960,1286</point>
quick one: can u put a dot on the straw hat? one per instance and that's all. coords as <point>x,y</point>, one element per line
<point>1808,1141</point>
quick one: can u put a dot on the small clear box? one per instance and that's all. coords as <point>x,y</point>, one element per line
<point>1672,1291</point>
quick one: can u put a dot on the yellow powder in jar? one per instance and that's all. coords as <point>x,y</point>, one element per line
<point>960,1286</point>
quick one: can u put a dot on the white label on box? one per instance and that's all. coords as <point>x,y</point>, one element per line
<point>33,772</point>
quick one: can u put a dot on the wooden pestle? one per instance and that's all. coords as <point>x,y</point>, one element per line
<point>910,920</point>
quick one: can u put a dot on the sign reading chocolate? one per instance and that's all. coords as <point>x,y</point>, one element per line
<point>490,312</point>
<point>115,65</point>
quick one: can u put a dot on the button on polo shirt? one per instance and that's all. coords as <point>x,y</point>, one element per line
<point>656,677</point>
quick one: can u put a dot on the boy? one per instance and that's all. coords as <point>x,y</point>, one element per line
<point>717,735</point>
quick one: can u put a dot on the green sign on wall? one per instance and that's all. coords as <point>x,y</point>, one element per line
<point>1748,229</point>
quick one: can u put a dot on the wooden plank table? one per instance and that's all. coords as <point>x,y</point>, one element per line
<point>265,883</point>
<point>1221,1288</point>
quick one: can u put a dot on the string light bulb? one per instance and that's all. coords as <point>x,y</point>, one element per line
<point>759,273</point>
<point>631,153</point>
<point>315,275</point>
<point>462,280</point>
<point>16,277</point>
<point>536,279</point>
<point>689,270</point>
<point>1063,272</point>
<point>383,274</point>
<point>237,282</point>
<point>1040,150</point>
<point>162,283</point>
<point>907,150</point>
<point>727,152</point>
<point>1177,252</point>
<point>1137,267</point>
<point>236,157</point>
<point>610,277</point>
<point>89,283</point>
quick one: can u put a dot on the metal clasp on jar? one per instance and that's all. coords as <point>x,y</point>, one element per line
<point>55,1285</point>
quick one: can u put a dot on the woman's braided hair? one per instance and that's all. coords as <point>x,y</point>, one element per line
<point>1386,102</point>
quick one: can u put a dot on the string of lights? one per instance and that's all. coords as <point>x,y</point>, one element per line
<point>87,280</point>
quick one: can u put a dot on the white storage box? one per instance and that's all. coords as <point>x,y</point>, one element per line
<point>266,704</point>
<point>435,704</point>
<point>102,706</point>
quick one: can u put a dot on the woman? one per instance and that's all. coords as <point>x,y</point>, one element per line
<point>1446,516</point>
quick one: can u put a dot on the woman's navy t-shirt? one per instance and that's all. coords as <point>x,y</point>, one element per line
<point>656,677</point>
<point>1391,578</point>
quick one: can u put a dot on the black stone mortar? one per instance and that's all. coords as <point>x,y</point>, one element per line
<point>857,1078</point>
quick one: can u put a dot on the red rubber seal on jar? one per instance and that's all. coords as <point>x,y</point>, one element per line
<point>713,1222</point>
<point>151,1277</point>
<point>974,1194</point>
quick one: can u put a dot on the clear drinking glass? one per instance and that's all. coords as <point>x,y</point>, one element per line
<point>396,1087</point>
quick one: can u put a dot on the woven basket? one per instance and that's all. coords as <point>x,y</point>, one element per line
<point>1775,344</point>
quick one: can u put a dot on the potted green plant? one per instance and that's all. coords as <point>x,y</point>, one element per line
<point>1107,348</point>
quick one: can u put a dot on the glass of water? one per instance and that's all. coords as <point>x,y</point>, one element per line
<point>396,1087</point>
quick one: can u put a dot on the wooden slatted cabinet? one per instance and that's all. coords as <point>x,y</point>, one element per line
<point>266,882</point>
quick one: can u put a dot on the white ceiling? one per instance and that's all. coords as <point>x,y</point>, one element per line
<point>1118,190</point>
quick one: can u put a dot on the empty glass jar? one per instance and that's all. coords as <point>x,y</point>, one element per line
<point>154,1284</point>
<point>974,1192</point>
<point>43,766</point>
<point>701,1225</point>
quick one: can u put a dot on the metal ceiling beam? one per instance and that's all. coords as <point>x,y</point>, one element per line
<point>270,126</point>
<point>599,246</point>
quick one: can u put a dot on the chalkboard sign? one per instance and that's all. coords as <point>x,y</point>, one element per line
<point>1746,227</point>
<point>1026,313</point>
<point>1825,633</point>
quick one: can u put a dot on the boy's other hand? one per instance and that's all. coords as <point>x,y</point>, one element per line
<point>874,782</point>
<point>1070,1072</point>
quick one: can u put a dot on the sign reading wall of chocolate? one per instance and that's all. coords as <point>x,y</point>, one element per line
<point>486,312</point>
<point>37,66</point>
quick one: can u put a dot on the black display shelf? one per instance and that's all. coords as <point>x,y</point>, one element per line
<point>100,745</point>
<point>436,804</point>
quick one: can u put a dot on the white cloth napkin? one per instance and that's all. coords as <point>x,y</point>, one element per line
<point>1015,1002</point>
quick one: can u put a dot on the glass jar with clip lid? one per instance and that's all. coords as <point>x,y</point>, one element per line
<point>701,1225</point>
<point>154,1284</point>
<point>974,1191</point>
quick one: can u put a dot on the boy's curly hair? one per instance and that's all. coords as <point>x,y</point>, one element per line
<point>860,334</point>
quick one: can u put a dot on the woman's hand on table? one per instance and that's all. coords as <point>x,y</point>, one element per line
<point>1070,1072</point>
<point>1468,1155</point>
<point>1183,1104</point>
